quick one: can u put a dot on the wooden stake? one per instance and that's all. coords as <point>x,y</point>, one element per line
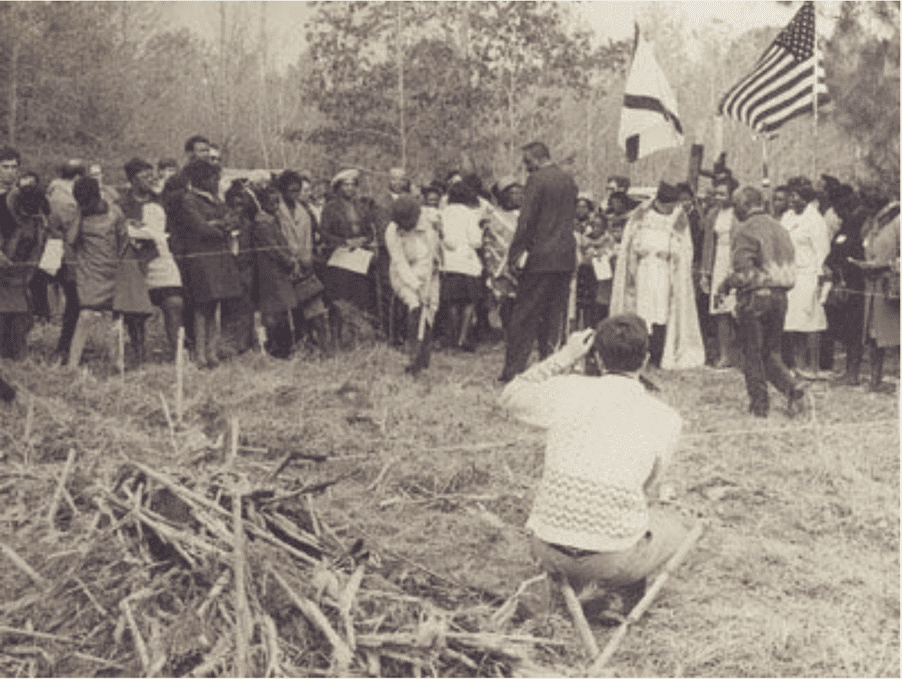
<point>341,651</point>
<point>579,619</point>
<point>37,635</point>
<point>645,602</point>
<point>233,448</point>
<point>180,377</point>
<point>169,423</point>
<point>136,635</point>
<point>243,623</point>
<point>23,566</point>
<point>120,337</point>
<point>51,513</point>
<point>29,424</point>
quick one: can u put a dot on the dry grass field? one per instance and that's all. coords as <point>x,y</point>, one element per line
<point>797,573</point>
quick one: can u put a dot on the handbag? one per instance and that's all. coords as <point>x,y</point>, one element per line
<point>307,287</point>
<point>144,250</point>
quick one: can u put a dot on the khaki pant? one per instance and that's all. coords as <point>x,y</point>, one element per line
<point>614,570</point>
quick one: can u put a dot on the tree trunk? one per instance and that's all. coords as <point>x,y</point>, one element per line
<point>400,55</point>
<point>13,90</point>
<point>262,104</point>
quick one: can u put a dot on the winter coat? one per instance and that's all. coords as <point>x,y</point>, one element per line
<point>20,252</point>
<point>107,274</point>
<point>275,266</point>
<point>200,235</point>
<point>343,219</point>
<point>881,246</point>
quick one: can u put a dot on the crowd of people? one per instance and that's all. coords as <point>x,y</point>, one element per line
<point>450,264</point>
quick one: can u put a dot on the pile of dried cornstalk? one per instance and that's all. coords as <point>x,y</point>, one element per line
<point>163,573</point>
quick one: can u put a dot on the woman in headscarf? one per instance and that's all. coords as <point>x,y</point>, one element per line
<point>653,279</point>
<point>209,271</point>
<point>497,237</point>
<point>107,271</point>
<point>297,222</point>
<point>276,270</point>
<point>805,315</point>
<point>414,256</point>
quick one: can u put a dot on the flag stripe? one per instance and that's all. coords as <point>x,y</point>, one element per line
<point>807,107</point>
<point>800,92</point>
<point>799,89</point>
<point>729,102</point>
<point>822,100</point>
<point>646,103</point>
<point>789,79</point>
<point>761,86</point>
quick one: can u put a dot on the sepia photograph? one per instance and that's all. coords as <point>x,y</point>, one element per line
<point>462,338</point>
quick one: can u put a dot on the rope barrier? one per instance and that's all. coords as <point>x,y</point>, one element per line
<point>246,251</point>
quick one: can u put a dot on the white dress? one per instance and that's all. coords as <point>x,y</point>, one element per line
<point>811,240</point>
<point>652,246</point>
<point>162,271</point>
<point>722,226</point>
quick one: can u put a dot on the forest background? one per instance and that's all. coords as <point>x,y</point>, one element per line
<point>427,85</point>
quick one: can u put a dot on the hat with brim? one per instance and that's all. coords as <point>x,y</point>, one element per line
<point>345,176</point>
<point>397,173</point>
<point>667,193</point>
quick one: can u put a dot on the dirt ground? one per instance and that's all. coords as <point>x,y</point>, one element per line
<point>797,573</point>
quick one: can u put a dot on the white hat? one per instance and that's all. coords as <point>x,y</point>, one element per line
<point>345,176</point>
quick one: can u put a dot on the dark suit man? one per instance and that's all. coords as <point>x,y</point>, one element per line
<point>543,256</point>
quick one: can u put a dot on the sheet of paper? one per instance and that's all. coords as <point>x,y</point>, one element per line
<point>602,268</point>
<point>356,260</point>
<point>52,257</point>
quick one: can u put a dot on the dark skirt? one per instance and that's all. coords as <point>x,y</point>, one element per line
<point>586,286</point>
<point>210,277</point>
<point>355,288</point>
<point>459,288</point>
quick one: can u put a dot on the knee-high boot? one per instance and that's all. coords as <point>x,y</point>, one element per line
<point>854,351</point>
<point>172,309</point>
<point>877,384</point>
<point>336,325</point>
<point>323,337</point>
<point>135,325</point>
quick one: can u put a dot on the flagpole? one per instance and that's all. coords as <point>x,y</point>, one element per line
<point>814,93</point>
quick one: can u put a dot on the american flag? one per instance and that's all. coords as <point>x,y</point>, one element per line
<point>781,87</point>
